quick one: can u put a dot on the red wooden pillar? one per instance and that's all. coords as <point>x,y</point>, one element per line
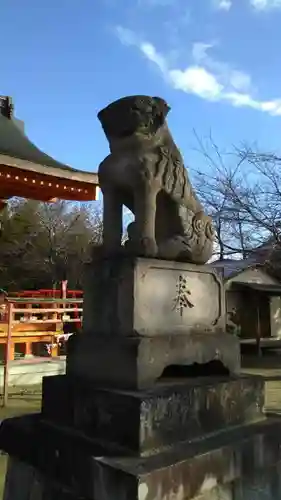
<point>9,354</point>
<point>28,349</point>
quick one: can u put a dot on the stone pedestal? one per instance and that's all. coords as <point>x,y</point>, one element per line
<point>144,316</point>
<point>137,297</point>
<point>137,362</point>
<point>206,439</point>
<point>144,415</point>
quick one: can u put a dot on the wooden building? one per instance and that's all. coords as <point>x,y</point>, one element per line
<point>27,172</point>
<point>253,300</point>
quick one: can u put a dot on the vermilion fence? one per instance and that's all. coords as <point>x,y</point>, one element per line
<point>30,320</point>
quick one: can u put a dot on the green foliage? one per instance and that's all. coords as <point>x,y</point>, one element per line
<point>42,244</point>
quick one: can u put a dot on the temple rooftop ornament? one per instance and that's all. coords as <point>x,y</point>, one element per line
<point>28,172</point>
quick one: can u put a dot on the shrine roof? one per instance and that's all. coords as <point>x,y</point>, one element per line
<point>16,150</point>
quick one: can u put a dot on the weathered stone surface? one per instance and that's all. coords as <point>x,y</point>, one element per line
<point>22,481</point>
<point>163,416</point>
<point>78,465</point>
<point>145,172</point>
<point>150,297</point>
<point>263,485</point>
<point>136,363</point>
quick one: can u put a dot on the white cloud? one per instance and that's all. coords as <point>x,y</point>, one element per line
<point>266,4</point>
<point>205,77</point>
<point>228,76</point>
<point>150,52</point>
<point>199,50</point>
<point>196,80</point>
<point>127,37</point>
<point>223,4</point>
<point>240,80</point>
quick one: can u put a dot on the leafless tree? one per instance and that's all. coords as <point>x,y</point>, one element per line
<point>242,192</point>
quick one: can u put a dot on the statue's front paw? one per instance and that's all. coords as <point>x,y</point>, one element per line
<point>210,231</point>
<point>147,247</point>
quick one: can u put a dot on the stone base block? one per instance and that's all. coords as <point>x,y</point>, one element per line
<point>137,362</point>
<point>146,422</point>
<point>59,463</point>
<point>150,297</point>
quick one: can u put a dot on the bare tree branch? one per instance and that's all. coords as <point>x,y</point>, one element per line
<point>242,192</point>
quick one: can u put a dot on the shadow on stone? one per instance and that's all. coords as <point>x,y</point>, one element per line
<point>212,368</point>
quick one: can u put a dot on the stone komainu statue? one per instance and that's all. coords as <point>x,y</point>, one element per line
<point>145,172</point>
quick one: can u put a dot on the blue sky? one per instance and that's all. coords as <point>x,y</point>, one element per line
<point>216,62</point>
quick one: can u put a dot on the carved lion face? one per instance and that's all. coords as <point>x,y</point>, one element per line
<point>133,115</point>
